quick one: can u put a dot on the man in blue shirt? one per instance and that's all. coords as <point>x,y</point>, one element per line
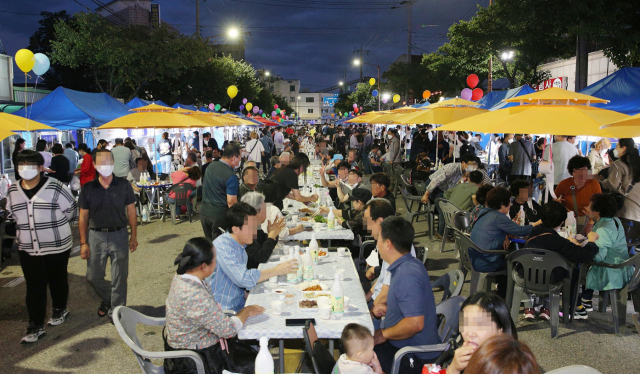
<point>267,143</point>
<point>73,158</point>
<point>411,309</point>
<point>231,277</point>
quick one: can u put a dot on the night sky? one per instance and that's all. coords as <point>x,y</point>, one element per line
<point>310,40</point>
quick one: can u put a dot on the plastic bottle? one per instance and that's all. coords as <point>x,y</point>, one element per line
<point>313,248</point>
<point>331,220</point>
<point>292,277</point>
<point>308,266</point>
<point>264,360</point>
<point>570,225</point>
<point>299,261</point>
<point>521,215</point>
<point>337,298</point>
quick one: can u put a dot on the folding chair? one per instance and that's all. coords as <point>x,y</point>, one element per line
<point>448,210</point>
<point>321,359</point>
<point>479,280</point>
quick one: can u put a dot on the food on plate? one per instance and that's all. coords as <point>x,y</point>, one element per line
<point>315,287</point>
<point>280,291</point>
<point>317,186</point>
<point>306,219</point>
<point>322,253</point>
<point>320,218</point>
<point>312,205</point>
<point>306,210</point>
<point>308,304</point>
<point>313,295</point>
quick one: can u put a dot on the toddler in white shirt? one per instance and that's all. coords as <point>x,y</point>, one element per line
<point>359,357</point>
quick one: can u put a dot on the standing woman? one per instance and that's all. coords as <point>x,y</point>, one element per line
<point>87,171</point>
<point>599,157</point>
<point>254,149</point>
<point>18,147</point>
<point>165,154</point>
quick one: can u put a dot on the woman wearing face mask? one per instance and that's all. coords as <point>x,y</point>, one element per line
<point>18,147</point>
<point>599,157</point>
<point>44,254</point>
<point>395,152</point>
<point>87,171</point>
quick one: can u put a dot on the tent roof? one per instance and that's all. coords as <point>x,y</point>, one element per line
<point>137,102</point>
<point>493,100</point>
<point>620,88</point>
<point>67,109</point>
<point>190,107</point>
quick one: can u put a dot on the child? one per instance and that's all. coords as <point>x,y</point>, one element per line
<point>360,357</point>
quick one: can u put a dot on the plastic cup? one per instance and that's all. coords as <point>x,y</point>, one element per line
<point>276,307</point>
<point>273,279</point>
<point>324,311</point>
<point>346,303</point>
<point>324,300</point>
<point>340,273</point>
<point>342,251</point>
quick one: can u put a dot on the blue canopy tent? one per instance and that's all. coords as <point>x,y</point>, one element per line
<point>493,100</point>
<point>67,109</point>
<point>205,109</point>
<point>137,102</point>
<point>620,88</point>
<point>421,105</point>
<point>190,107</point>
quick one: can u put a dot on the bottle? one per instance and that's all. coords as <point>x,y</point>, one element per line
<point>521,215</point>
<point>570,225</point>
<point>292,277</point>
<point>337,298</point>
<point>331,220</point>
<point>299,261</point>
<point>313,248</point>
<point>264,360</point>
<point>308,266</point>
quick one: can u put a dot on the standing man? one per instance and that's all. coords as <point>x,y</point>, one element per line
<point>107,205</point>
<point>504,167</point>
<point>366,148</point>
<point>209,141</point>
<point>219,191</point>
<point>267,143</point>
<point>121,157</point>
<point>196,141</point>
<point>563,151</point>
<point>522,154</point>
<point>42,208</point>
<point>102,144</point>
<point>176,149</point>
<point>73,158</point>
<point>278,140</point>
<point>395,151</point>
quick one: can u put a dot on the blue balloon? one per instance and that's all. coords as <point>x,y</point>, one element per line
<point>41,65</point>
<point>374,93</point>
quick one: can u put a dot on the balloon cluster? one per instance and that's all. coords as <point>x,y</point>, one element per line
<point>467,93</point>
<point>27,61</point>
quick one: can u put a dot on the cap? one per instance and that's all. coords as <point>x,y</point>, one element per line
<point>337,156</point>
<point>360,194</point>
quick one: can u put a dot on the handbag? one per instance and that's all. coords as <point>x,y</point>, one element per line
<point>75,183</point>
<point>620,198</point>
<point>581,222</point>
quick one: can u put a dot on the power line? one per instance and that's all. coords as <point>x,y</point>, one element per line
<point>359,6</point>
<point>26,14</point>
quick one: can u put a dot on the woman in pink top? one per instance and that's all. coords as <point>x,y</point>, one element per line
<point>187,175</point>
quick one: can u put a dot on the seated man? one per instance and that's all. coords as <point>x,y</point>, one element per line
<point>462,194</point>
<point>275,165</point>
<point>249,180</point>
<point>522,190</point>
<point>380,183</point>
<point>374,158</point>
<point>262,247</point>
<point>232,277</point>
<point>411,309</point>
<point>351,159</point>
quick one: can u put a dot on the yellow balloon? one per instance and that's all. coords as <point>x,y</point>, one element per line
<point>25,60</point>
<point>232,91</point>
<point>372,81</point>
<point>248,106</point>
<point>396,98</point>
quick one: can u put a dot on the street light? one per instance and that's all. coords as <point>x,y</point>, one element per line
<point>341,83</point>
<point>357,62</point>
<point>507,55</point>
<point>266,73</point>
<point>233,33</point>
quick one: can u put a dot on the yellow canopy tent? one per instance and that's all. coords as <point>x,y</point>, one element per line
<point>625,128</point>
<point>152,108</point>
<point>440,115</point>
<point>149,120</point>
<point>367,118</point>
<point>17,123</point>
<point>453,102</point>
<point>556,95</point>
<point>5,134</point>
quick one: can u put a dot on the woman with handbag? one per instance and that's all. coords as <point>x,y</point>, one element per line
<point>574,192</point>
<point>254,149</point>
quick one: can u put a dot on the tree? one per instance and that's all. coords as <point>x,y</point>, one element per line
<point>361,96</point>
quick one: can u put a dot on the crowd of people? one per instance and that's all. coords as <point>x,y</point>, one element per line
<point>242,221</point>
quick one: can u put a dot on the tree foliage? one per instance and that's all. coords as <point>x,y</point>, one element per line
<point>361,96</point>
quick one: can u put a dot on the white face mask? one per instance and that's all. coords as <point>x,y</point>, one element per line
<point>105,170</point>
<point>603,152</point>
<point>510,140</point>
<point>616,153</point>
<point>470,169</point>
<point>28,172</point>
<point>389,136</point>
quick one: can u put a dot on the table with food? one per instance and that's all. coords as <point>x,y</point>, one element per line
<point>153,188</point>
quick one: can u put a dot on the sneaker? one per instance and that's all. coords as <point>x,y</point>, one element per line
<point>33,334</point>
<point>581,313</point>
<point>529,314</point>
<point>58,317</point>
<point>545,314</point>
<point>587,304</point>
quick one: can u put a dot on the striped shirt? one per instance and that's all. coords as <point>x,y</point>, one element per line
<point>231,276</point>
<point>42,222</point>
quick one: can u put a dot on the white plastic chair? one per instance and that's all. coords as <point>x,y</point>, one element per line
<point>575,369</point>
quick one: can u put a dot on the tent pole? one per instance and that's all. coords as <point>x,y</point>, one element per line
<point>155,155</point>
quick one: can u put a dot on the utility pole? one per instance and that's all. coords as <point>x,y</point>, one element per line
<point>360,51</point>
<point>410,4</point>
<point>490,76</point>
<point>197,18</point>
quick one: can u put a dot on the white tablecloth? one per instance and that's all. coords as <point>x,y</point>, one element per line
<point>323,233</point>
<point>274,327</point>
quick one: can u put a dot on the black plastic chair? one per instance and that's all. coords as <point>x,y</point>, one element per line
<point>409,200</point>
<point>537,267</point>
<point>451,283</point>
<point>462,220</point>
<point>321,359</point>
<point>181,191</point>
<point>367,245</point>
<point>448,210</point>
<point>479,280</point>
<point>449,316</point>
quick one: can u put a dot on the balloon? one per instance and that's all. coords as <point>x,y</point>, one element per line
<point>472,80</point>
<point>41,64</point>
<point>244,101</point>
<point>361,109</point>
<point>396,98</point>
<point>283,111</point>
<point>280,120</point>
<point>255,110</point>
<point>212,107</point>
<point>275,106</point>
<point>217,107</point>
<point>384,101</point>
<point>273,114</point>
<point>249,106</point>
<point>232,91</point>
<point>355,105</point>
<point>426,94</point>
<point>372,81</point>
<point>476,94</point>
<point>278,111</point>
<point>374,93</point>
<point>466,94</point>
<point>241,107</point>
<point>25,60</point>
<point>332,115</point>
<point>261,111</point>
<point>264,115</point>
<point>355,110</point>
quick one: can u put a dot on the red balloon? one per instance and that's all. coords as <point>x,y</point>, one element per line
<point>477,94</point>
<point>355,110</point>
<point>472,80</point>
<point>275,106</point>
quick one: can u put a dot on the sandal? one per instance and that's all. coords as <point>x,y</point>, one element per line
<point>103,310</point>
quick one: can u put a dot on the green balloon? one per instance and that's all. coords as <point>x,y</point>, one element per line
<point>278,111</point>
<point>264,115</point>
<point>217,107</point>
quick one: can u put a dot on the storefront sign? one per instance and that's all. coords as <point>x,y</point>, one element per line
<point>155,15</point>
<point>329,101</point>
<point>560,82</point>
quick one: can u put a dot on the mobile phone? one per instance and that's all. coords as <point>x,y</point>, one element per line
<point>299,321</point>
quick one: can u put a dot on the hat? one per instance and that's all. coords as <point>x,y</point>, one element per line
<point>355,170</point>
<point>337,156</point>
<point>360,194</point>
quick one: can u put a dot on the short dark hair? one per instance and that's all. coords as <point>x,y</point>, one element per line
<point>495,305</point>
<point>353,337</point>
<point>476,177</point>
<point>553,214</point>
<point>238,214</point>
<point>498,197</point>
<point>269,189</point>
<point>192,156</point>
<point>230,150</point>
<point>41,145</point>
<point>375,146</point>
<point>99,151</point>
<point>57,149</point>
<point>517,185</point>
<point>68,145</point>
<point>356,172</point>
<point>380,208</point>
<point>382,179</point>
<point>102,141</point>
<point>343,164</point>
<point>139,159</point>
<point>399,231</point>
<point>481,193</point>
<point>605,204</point>
<point>83,147</point>
<point>208,154</point>
<point>196,251</point>
<point>30,157</point>
<point>469,157</point>
<point>119,141</point>
<point>577,162</point>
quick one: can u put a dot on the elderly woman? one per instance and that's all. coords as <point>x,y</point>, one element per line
<point>575,191</point>
<point>195,320</point>
<point>598,156</point>
<point>613,249</point>
<point>189,175</point>
<point>270,191</point>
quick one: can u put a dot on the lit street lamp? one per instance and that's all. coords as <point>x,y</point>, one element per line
<point>507,55</point>
<point>266,73</point>
<point>233,33</point>
<point>357,62</point>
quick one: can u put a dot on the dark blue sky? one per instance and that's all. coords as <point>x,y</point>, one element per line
<point>310,40</point>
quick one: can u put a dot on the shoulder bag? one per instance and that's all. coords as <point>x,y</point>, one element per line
<point>620,198</point>
<point>581,222</point>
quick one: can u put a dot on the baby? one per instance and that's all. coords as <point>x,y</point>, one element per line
<point>359,357</point>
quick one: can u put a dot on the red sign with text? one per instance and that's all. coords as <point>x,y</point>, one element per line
<point>560,82</point>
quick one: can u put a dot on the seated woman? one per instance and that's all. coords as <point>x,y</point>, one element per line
<point>189,175</point>
<point>581,185</point>
<point>613,249</point>
<point>266,239</point>
<point>480,199</point>
<point>269,189</point>
<point>194,318</point>
<point>522,192</point>
<point>502,354</point>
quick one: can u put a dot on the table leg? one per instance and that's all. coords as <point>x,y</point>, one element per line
<point>328,243</point>
<point>331,348</point>
<point>281,343</point>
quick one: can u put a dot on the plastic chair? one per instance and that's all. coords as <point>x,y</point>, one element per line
<point>462,220</point>
<point>617,298</point>
<point>449,310</point>
<point>538,266</point>
<point>448,210</point>
<point>409,200</point>
<point>181,191</point>
<point>479,280</point>
<point>575,369</point>
<point>451,283</point>
<point>366,245</point>
<point>125,320</point>
<point>321,359</point>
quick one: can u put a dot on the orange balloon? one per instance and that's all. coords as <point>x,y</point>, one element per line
<point>426,94</point>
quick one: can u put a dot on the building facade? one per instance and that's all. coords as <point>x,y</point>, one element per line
<point>563,72</point>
